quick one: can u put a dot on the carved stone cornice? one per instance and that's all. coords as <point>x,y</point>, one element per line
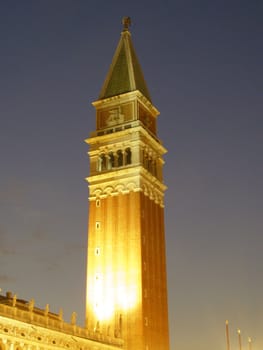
<point>127,136</point>
<point>129,96</point>
<point>123,181</point>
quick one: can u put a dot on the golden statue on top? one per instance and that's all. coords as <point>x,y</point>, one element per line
<point>126,22</point>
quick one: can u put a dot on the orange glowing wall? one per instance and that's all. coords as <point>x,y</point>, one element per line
<point>126,283</point>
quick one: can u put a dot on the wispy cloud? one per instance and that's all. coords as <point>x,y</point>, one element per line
<point>74,248</point>
<point>40,233</point>
<point>12,193</point>
<point>7,251</point>
<point>6,279</point>
<point>52,266</point>
<point>5,247</point>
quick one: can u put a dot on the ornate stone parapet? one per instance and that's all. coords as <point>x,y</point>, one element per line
<point>25,329</point>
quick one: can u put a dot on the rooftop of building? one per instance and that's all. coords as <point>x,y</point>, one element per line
<point>13,308</point>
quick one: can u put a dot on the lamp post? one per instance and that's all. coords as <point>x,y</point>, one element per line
<point>239,339</point>
<point>249,343</point>
<point>227,337</point>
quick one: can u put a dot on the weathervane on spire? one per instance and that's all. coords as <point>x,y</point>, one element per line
<point>126,21</point>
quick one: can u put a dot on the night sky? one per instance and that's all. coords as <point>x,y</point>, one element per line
<point>202,61</point>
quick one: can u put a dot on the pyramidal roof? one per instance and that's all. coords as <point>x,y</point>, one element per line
<point>125,73</point>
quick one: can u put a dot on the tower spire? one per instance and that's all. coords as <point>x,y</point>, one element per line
<point>125,73</point>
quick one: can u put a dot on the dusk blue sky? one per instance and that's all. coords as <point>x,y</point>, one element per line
<point>202,61</point>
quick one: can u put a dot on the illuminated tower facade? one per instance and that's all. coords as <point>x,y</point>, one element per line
<point>126,269</point>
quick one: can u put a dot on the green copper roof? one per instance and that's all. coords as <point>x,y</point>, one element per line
<point>125,73</point>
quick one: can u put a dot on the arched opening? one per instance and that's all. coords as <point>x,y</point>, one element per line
<point>146,161</point>
<point>103,162</point>
<point>120,158</point>
<point>111,160</point>
<point>150,164</point>
<point>128,156</point>
<point>154,168</point>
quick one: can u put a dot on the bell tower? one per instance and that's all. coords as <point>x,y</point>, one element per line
<point>126,268</point>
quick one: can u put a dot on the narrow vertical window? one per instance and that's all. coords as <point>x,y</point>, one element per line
<point>120,325</point>
<point>128,156</point>
<point>97,225</point>
<point>97,326</point>
<point>146,161</point>
<point>120,158</point>
<point>111,160</point>
<point>97,203</point>
<point>98,277</point>
<point>103,162</point>
<point>154,167</point>
<point>150,164</point>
